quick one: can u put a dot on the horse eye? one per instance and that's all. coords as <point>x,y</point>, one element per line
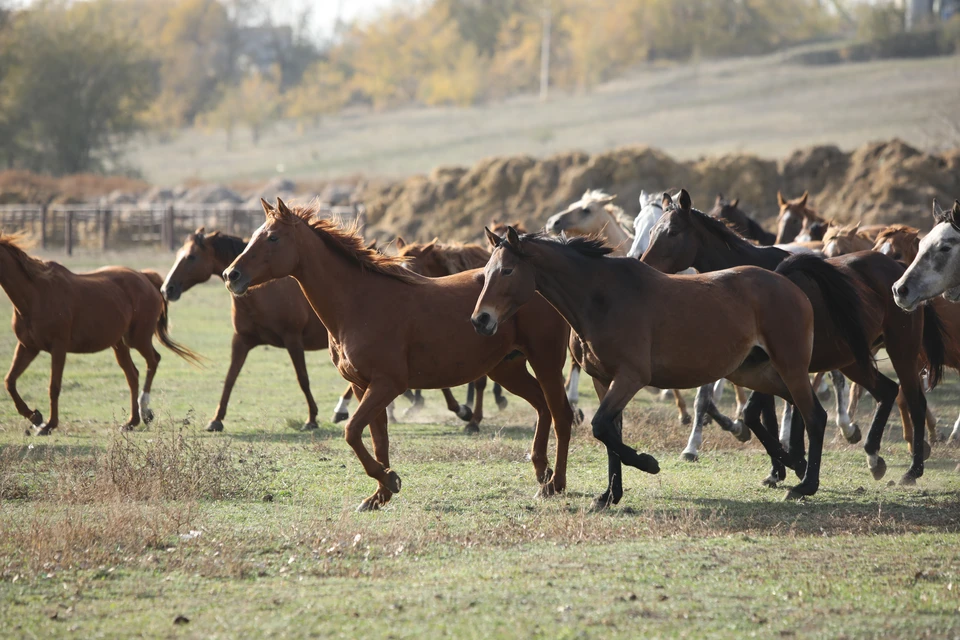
<point>191,258</point>
<point>273,238</point>
<point>506,272</point>
<point>945,248</point>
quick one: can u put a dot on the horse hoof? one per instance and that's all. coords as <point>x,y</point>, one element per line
<point>465,413</point>
<point>771,481</point>
<point>340,416</point>
<point>908,480</point>
<point>502,403</point>
<point>685,419</point>
<point>547,490</point>
<point>801,469</point>
<point>126,427</point>
<point>310,426</point>
<point>648,464</point>
<point>146,415</point>
<point>689,457</point>
<point>799,492</point>
<point>215,426</point>
<point>578,417</point>
<point>45,430</point>
<point>392,481</point>
<point>743,435</point>
<point>926,450</point>
<point>36,418</point>
<point>471,428</point>
<point>370,504</point>
<point>855,436</point>
<point>880,469</point>
<point>546,477</point>
<point>601,503</point>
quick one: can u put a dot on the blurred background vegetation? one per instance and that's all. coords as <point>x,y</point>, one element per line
<point>79,79</point>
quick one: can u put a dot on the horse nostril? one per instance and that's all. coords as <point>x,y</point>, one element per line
<point>233,276</point>
<point>902,290</point>
<point>483,318</point>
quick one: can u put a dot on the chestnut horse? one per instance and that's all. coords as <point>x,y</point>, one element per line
<point>795,218</point>
<point>61,312</point>
<point>392,330</point>
<point>686,237</point>
<point>839,241</point>
<point>640,327</point>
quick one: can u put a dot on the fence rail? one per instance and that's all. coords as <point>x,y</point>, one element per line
<point>126,226</point>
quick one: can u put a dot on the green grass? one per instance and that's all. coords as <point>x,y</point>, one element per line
<point>96,527</point>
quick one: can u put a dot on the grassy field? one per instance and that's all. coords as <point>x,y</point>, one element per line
<point>252,532</point>
<point>763,105</point>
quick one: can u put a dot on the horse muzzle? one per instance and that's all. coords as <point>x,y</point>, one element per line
<point>905,297</point>
<point>170,291</point>
<point>484,323</point>
<point>236,282</point>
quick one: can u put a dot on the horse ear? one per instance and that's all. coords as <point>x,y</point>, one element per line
<point>956,209</point>
<point>735,202</point>
<point>513,238</point>
<point>781,200</point>
<point>719,201</point>
<point>282,208</point>
<point>643,197</point>
<point>684,199</point>
<point>200,231</point>
<point>493,238</point>
<point>939,215</point>
<point>430,245</point>
<point>803,199</point>
<point>666,200</point>
<point>401,243</point>
<point>267,209</point>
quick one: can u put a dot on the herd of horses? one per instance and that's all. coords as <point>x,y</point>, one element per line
<point>626,298</point>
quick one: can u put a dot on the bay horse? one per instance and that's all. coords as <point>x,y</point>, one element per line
<point>795,218</point>
<point>392,329</point>
<point>641,327</point>
<point>276,314</point>
<point>844,336</point>
<point>732,215</point>
<point>435,260</point>
<point>61,312</point>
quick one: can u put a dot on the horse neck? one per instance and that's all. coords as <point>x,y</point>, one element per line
<point>714,254</point>
<point>330,282</point>
<point>616,236</point>
<point>15,282</point>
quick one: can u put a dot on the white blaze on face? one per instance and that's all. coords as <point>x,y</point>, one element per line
<point>886,248</point>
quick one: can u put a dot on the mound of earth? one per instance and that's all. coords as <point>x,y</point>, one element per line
<point>881,182</point>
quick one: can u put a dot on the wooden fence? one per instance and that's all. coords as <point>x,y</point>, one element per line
<point>128,226</point>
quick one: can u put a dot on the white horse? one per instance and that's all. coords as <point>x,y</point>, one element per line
<point>594,214</point>
<point>936,269</point>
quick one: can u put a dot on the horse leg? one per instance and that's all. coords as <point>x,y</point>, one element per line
<point>239,349</point>
<point>850,432</point>
<point>381,451</point>
<point>58,358</point>
<point>614,467</point>
<point>478,386</point>
<point>461,410</point>
<point>550,378</point>
<point>760,416</point>
<point>122,352</point>
<point>911,386</point>
<point>340,411</point>
<point>573,383</point>
<point>295,349</point>
<point>741,401</point>
<point>515,378</point>
<point>737,428</point>
<point>608,428</point>
<point>692,451</point>
<point>884,391</point>
<point>498,396</point>
<point>856,390</point>
<point>681,407</point>
<point>416,398</point>
<point>372,408</point>
<point>815,420</point>
<point>152,358</point>
<point>22,357</point>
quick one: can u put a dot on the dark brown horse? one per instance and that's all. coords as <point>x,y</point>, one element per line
<point>686,237</point>
<point>730,213</point>
<point>392,330</point>
<point>640,327</point>
<point>61,312</point>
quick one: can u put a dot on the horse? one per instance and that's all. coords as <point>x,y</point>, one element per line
<point>435,260</point>
<point>392,329</point>
<point>495,224</point>
<point>642,327</point>
<point>595,214</point>
<point>686,237</point>
<point>61,312</point>
<point>795,218</point>
<point>936,268</point>
<point>275,314</point>
<point>838,241</point>
<point>740,222</point>
<point>899,241</point>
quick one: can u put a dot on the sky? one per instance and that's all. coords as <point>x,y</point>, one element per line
<point>324,12</point>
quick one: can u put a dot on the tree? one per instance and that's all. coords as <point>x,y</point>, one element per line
<point>255,103</point>
<point>321,91</point>
<point>73,90</point>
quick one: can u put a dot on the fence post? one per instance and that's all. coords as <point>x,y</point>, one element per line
<point>43,226</point>
<point>68,232</point>
<point>169,223</point>
<point>105,217</point>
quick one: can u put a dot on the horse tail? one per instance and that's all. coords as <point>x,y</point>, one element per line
<point>934,346</point>
<point>842,301</point>
<point>163,324</point>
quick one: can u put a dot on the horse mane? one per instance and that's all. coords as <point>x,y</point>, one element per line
<point>587,246</point>
<point>723,231</point>
<point>31,267</point>
<point>348,243</point>
<point>225,247</point>
<point>894,229</point>
<point>456,257</point>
